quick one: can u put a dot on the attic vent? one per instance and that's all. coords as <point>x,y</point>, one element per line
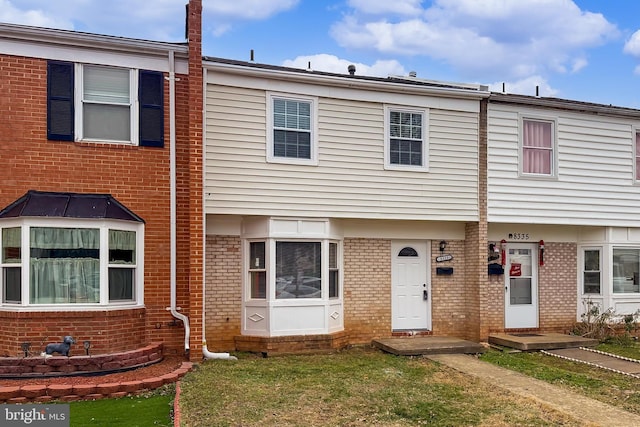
<point>352,69</point>
<point>412,74</point>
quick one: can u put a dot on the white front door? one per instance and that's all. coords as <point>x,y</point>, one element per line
<point>410,287</point>
<point>521,286</point>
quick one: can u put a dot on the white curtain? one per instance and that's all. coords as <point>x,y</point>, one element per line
<point>63,268</point>
<point>65,280</point>
<point>11,238</point>
<point>65,238</point>
<point>537,148</point>
<point>122,240</point>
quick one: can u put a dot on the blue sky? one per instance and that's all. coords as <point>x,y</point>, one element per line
<point>585,50</point>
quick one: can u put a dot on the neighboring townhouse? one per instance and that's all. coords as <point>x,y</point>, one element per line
<point>340,208</point>
<point>102,226</point>
<point>563,208</point>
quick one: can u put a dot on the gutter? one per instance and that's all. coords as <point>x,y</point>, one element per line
<point>173,215</point>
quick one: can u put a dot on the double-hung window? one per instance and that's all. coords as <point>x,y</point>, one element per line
<point>106,99</point>
<point>292,130</point>
<point>11,265</point>
<point>406,138</point>
<point>538,147</point>
<point>99,103</point>
<point>122,265</point>
<point>257,270</point>
<point>592,271</point>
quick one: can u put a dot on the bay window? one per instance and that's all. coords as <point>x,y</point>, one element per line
<point>299,267</point>
<point>66,265</point>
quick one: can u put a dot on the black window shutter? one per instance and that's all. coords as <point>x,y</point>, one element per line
<point>151,99</point>
<point>60,101</point>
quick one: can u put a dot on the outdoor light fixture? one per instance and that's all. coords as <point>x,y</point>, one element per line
<point>87,346</point>
<point>26,347</point>
<point>443,245</point>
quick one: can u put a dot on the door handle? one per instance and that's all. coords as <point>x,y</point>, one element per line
<point>425,295</point>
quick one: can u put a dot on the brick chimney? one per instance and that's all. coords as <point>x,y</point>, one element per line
<point>195,191</point>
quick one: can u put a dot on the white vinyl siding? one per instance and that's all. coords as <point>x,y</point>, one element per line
<point>349,180</point>
<point>595,171</point>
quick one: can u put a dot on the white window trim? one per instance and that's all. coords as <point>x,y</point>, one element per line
<point>103,226</point>
<point>387,138</point>
<point>313,161</point>
<point>78,106</point>
<point>554,146</point>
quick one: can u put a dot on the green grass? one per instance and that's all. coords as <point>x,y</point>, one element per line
<point>606,386</point>
<point>357,387</point>
<point>151,409</point>
<point>624,348</point>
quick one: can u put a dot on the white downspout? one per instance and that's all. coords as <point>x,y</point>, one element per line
<point>205,352</point>
<point>172,179</point>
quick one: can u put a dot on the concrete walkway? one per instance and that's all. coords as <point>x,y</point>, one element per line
<point>583,409</point>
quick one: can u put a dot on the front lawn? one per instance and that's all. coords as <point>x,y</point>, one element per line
<point>606,386</point>
<point>152,409</point>
<point>358,387</point>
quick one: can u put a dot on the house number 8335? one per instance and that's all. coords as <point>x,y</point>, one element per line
<point>518,236</point>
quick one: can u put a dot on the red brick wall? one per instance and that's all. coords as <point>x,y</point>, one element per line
<point>448,293</point>
<point>223,295</point>
<point>108,331</point>
<point>136,176</point>
<point>367,289</point>
<point>557,287</point>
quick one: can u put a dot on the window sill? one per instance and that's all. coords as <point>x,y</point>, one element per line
<point>406,168</point>
<point>292,161</point>
<point>67,307</point>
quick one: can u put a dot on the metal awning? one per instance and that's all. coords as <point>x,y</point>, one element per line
<point>68,205</point>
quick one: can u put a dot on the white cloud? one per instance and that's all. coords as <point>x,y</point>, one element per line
<point>127,18</point>
<point>632,46</point>
<point>333,64</point>
<point>481,39</point>
<point>31,16</point>
<point>247,9</point>
<point>525,86</point>
<point>221,15</point>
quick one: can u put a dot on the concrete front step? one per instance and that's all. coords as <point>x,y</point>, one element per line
<point>540,341</point>
<point>415,346</point>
